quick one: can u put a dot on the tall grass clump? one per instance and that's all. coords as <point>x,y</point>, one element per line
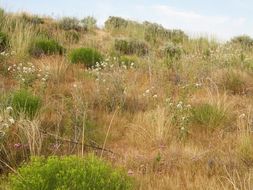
<point>87,56</point>
<point>208,115</point>
<point>24,102</point>
<point>44,46</point>
<point>4,42</point>
<point>20,33</point>
<point>69,173</point>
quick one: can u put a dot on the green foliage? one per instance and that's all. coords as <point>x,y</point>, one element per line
<point>87,56</point>
<point>25,102</point>
<point>89,22</point>
<point>132,46</point>
<point>115,23</point>
<point>68,23</point>
<point>44,46</point>
<point>244,40</point>
<point>69,173</point>
<point>208,115</point>
<point>72,36</point>
<point>4,42</point>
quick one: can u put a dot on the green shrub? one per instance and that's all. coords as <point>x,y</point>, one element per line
<point>69,173</point>
<point>89,22</point>
<point>244,40</point>
<point>115,23</point>
<point>87,56</point>
<point>172,51</point>
<point>44,46</point>
<point>68,23</point>
<point>25,102</point>
<point>4,42</point>
<point>129,47</point>
<point>208,115</point>
<point>155,33</point>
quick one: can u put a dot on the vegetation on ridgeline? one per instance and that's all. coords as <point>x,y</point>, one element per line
<point>156,108</point>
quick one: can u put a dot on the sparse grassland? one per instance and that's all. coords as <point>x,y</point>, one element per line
<point>174,112</point>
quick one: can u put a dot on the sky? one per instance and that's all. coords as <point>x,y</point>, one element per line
<point>221,19</point>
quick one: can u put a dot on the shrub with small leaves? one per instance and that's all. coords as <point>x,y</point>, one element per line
<point>87,56</point>
<point>209,115</point>
<point>4,42</point>
<point>71,173</point>
<point>44,46</point>
<point>115,23</point>
<point>172,51</point>
<point>244,40</point>
<point>132,46</point>
<point>89,22</point>
<point>24,101</point>
<point>68,23</point>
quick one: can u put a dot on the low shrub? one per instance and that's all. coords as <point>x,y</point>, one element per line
<point>89,22</point>
<point>115,23</point>
<point>208,115</point>
<point>172,51</point>
<point>129,47</point>
<point>68,23</point>
<point>4,42</point>
<point>71,173</point>
<point>24,101</point>
<point>44,46</point>
<point>244,40</point>
<point>87,56</point>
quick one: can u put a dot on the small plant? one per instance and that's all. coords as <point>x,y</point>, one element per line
<point>129,47</point>
<point>87,56</point>
<point>24,101</point>
<point>4,42</point>
<point>208,115</point>
<point>68,23</point>
<point>69,173</point>
<point>43,46</point>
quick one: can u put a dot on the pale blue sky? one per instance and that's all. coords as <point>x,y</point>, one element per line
<point>220,18</point>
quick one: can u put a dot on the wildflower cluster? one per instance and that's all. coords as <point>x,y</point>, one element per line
<point>27,73</point>
<point>182,113</point>
<point>6,120</point>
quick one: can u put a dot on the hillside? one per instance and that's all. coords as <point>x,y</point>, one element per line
<point>173,112</point>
